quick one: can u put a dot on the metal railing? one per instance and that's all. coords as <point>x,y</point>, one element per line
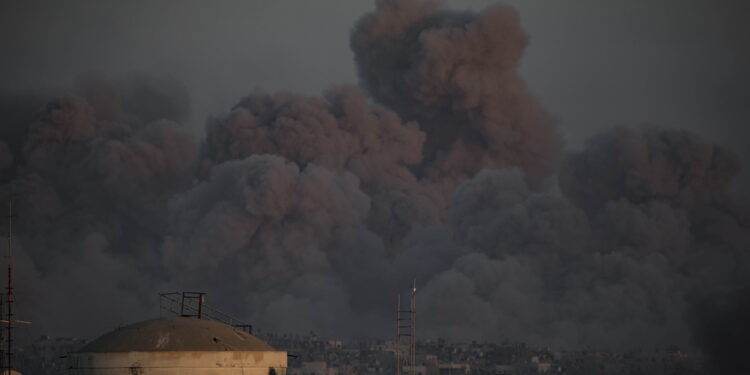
<point>193,304</point>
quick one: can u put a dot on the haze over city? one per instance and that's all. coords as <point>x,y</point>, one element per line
<point>564,174</point>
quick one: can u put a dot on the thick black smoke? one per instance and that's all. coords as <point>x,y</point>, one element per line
<point>91,182</point>
<point>341,132</point>
<point>18,110</point>
<point>613,271</point>
<point>302,213</point>
<point>641,165</point>
<point>456,74</point>
<point>720,328</point>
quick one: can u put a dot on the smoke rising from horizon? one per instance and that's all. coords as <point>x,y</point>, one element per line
<point>309,213</point>
<point>456,74</point>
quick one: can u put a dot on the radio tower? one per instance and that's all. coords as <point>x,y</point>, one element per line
<point>406,326</point>
<point>9,291</point>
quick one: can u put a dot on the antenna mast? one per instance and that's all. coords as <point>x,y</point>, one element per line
<point>397,344</point>
<point>414,324</point>
<point>9,290</point>
<point>409,319</point>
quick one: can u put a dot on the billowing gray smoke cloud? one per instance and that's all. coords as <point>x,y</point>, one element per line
<point>91,185</point>
<point>456,74</point>
<point>6,156</point>
<point>640,165</point>
<point>720,326</point>
<point>18,110</point>
<point>341,132</point>
<point>278,231</point>
<point>653,223</point>
<point>303,213</point>
<point>537,269</point>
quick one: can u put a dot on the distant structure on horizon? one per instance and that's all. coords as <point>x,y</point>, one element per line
<point>192,342</point>
<point>406,332</point>
<point>6,342</point>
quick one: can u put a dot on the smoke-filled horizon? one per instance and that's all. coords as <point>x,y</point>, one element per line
<point>594,64</point>
<point>304,212</point>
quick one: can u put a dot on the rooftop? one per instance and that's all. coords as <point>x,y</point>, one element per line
<point>176,334</point>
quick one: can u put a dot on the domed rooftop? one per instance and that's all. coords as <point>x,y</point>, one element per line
<point>176,334</point>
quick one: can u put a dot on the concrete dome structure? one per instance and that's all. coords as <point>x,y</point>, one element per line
<point>178,345</point>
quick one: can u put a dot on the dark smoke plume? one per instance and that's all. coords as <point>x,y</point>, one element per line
<point>91,187</point>
<point>302,213</point>
<point>720,327</point>
<point>341,132</point>
<point>276,230</point>
<point>6,156</point>
<point>639,165</point>
<point>456,74</point>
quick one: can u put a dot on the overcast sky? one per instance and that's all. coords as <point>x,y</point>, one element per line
<point>594,63</point>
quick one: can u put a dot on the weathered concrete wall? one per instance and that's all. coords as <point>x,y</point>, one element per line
<point>179,362</point>
<point>174,371</point>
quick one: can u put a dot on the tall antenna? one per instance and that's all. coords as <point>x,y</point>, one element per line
<point>2,349</point>
<point>397,344</point>
<point>406,326</point>
<point>413,346</point>
<point>9,289</point>
<point>6,354</point>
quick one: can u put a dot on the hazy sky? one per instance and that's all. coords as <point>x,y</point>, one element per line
<point>593,63</point>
